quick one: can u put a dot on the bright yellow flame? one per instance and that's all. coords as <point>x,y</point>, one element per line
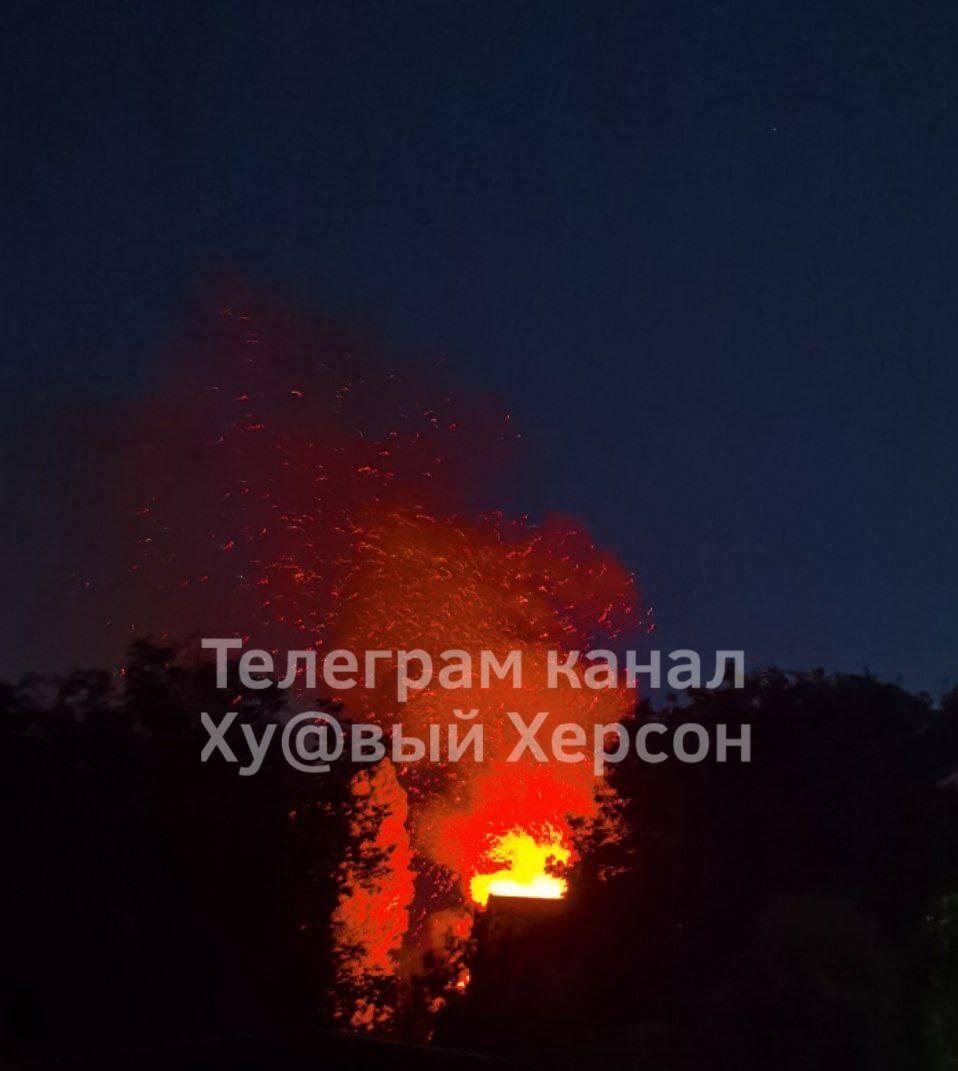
<point>525,871</point>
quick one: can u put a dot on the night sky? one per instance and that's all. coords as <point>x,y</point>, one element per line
<point>706,253</point>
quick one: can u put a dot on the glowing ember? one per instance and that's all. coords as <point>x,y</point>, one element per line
<point>528,869</point>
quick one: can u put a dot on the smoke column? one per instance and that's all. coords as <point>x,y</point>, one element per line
<point>291,484</point>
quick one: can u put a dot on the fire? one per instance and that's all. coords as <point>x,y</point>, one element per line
<point>323,500</point>
<point>528,863</point>
<point>377,890</point>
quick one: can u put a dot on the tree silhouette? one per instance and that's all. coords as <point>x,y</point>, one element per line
<point>794,912</point>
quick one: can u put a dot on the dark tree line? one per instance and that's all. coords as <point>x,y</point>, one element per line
<point>800,911</point>
<point>148,896</point>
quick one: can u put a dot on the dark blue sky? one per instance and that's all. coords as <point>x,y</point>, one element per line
<point>707,252</point>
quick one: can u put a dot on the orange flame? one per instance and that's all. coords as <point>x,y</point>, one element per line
<point>528,868</point>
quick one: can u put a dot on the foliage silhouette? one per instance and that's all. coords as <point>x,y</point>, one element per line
<point>795,912</point>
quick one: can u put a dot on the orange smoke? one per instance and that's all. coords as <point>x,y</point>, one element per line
<point>418,580</point>
<point>291,486</point>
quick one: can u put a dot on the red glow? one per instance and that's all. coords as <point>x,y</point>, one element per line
<point>311,499</point>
